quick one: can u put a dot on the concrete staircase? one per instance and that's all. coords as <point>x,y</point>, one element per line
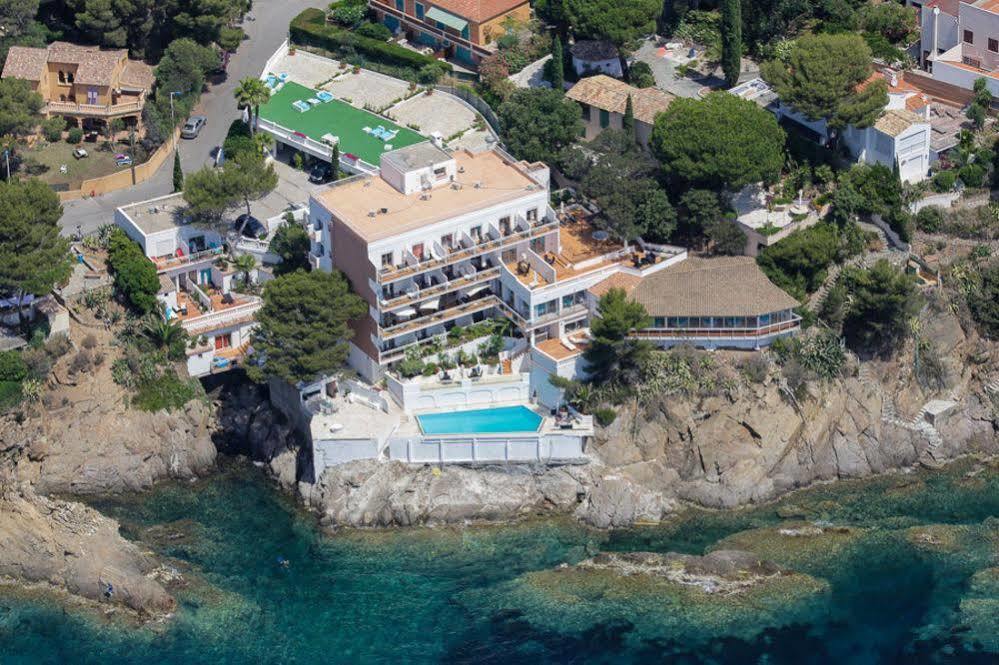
<point>865,261</point>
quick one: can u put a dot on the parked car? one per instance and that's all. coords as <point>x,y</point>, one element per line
<point>80,153</point>
<point>121,159</point>
<point>251,227</point>
<point>321,172</point>
<point>193,126</point>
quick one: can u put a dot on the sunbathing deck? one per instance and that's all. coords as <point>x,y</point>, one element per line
<point>337,118</point>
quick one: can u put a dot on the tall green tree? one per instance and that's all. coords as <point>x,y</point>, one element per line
<point>719,142</point>
<point>628,121</point>
<point>102,24</point>
<point>536,123</point>
<point>209,192</point>
<point>612,20</point>
<point>292,244</point>
<point>882,302</point>
<point>302,328</point>
<point>33,256</point>
<point>19,107</point>
<point>135,276</point>
<point>983,301</point>
<point>248,178</point>
<point>731,33</point>
<point>557,70</point>
<point>822,79</point>
<point>178,172</point>
<point>980,103</point>
<point>252,93</point>
<point>612,356</point>
<point>207,196</point>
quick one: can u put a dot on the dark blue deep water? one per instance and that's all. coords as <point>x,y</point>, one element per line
<point>915,579</point>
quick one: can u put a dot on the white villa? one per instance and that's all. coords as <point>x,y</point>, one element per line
<point>195,282</point>
<point>960,42</point>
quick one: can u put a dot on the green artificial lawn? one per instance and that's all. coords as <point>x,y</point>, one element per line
<point>337,118</point>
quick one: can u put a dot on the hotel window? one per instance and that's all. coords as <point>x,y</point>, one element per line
<point>419,11</point>
<point>504,225</point>
<point>475,233</point>
<point>532,215</point>
<point>400,5</point>
<point>994,45</point>
<point>660,322</point>
<point>387,260</point>
<point>604,119</point>
<point>62,76</point>
<point>440,172</point>
<point>69,77</point>
<point>969,37</point>
<point>447,241</point>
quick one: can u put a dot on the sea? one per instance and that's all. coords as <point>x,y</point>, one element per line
<point>900,568</point>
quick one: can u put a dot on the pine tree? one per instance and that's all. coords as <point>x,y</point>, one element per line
<point>558,65</point>
<point>178,173</point>
<point>731,30</point>
<point>628,123</point>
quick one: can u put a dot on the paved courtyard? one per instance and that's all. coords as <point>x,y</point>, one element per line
<point>368,88</point>
<point>306,68</point>
<point>434,113</point>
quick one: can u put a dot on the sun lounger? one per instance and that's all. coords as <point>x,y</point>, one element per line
<point>313,101</point>
<point>300,105</point>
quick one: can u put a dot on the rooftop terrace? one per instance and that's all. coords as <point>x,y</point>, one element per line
<point>485,179</point>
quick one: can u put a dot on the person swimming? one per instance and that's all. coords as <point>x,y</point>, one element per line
<point>284,563</point>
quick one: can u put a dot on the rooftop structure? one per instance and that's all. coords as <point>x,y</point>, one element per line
<point>590,56</point>
<point>959,44</point>
<point>83,82</point>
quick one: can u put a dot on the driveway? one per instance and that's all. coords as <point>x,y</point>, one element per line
<point>266,32</point>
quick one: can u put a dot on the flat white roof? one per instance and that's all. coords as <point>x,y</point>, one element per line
<point>159,214</point>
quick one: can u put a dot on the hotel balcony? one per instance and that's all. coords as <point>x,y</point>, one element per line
<point>720,332</point>
<point>167,263</point>
<point>445,310</point>
<point>200,312</point>
<point>440,289</point>
<point>467,248</point>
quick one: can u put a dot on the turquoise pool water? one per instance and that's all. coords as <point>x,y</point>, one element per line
<point>481,421</point>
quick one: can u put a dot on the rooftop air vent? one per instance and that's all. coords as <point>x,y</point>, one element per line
<point>371,213</point>
<point>384,211</point>
<point>461,169</point>
<point>478,184</point>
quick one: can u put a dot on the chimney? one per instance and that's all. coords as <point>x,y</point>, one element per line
<point>936,23</point>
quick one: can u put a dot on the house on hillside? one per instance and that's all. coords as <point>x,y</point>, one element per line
<point>604,100</point>
<point>86,84</point>
<point>197,282</point>
<point>590,56</point>
<point>465,30</point>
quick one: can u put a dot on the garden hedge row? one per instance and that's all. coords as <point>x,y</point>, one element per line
<point>310,29</point>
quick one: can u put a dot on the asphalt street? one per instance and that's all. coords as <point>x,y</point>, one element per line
<point>266,29</point>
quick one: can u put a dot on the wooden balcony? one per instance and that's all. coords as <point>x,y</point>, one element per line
<point>395,273</point>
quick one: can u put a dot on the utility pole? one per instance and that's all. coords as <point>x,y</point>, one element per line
<point>6,158</point>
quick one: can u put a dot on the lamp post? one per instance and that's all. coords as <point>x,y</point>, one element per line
<point>173,119</point>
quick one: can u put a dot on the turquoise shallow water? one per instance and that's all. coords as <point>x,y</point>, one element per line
<point>462,596</point>
<point>500,419</point>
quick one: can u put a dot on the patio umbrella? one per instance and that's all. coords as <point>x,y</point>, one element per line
<point>432,305</point>
<point>406,312</point>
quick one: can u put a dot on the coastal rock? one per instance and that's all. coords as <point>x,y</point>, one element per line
<point>621,500</point>
<point>376,494</point>
<point>67,546</point>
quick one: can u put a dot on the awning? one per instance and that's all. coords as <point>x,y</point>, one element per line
<point>450,20</point>
<point>434,304</point>
<point>405,311</point>
<point>476,289</point>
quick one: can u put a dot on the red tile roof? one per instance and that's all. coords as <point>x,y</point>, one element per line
<point>478,11</point>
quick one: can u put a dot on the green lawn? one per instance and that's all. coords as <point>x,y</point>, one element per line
<point>50,156</point>
<point>337,118</point>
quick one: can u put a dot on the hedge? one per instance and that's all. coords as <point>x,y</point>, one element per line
<point>310,29</point>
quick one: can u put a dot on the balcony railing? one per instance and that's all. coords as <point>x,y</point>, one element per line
<point>241,313</point>
<point>163,264</point>
<point>440,289</point>
<point>558,316</point>
<point>395,273</point>
<point>424,26</point>
<point>684,333</point>
<point>93,109</point>
<point>317,148</point>
<point>443,316</point>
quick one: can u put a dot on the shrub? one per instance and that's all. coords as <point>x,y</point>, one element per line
<point>429,74</point>
<point>972,175</point>
<point>605,416</point>
<point>756,368</point>
<point>165,392</point>
<point>12,366</point>
<point>374,31</point>
<point>10,394</point>
<point>310,29</point>
<point>90,341</point>
<point>943,181</point>
<point>38,362</point>
<point>75,135</point>
<point>640,75</point>
<point>53,128</point>
<point>134,275</point>
<point>929,219</point>
<point>348,15</point>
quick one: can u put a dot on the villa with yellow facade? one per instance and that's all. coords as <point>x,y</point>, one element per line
<point>85,84</point>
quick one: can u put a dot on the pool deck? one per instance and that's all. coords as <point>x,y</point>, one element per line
<point>338,118</point>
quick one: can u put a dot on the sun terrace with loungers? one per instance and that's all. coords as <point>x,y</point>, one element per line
<point>314,121</point>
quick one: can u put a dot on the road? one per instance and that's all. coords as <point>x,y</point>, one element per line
<point>266,31</point>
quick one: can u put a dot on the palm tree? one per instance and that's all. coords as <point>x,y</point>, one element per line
<point>251,92</point>
<point>165,334</point>
<point>263,141</point>
<point>245,263</point>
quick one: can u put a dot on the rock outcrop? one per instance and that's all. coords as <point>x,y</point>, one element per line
<point>68,547</point>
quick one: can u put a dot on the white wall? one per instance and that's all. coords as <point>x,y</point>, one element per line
<point>611,67</point>
<point>488,449</point>
<point>329,452</point>
<point>463,394</point>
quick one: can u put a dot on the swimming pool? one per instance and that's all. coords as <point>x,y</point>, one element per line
<point>481,421</point>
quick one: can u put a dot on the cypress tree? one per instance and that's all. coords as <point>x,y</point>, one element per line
<point>557,65</point>
<point>628,123</point>
<point>731,32</point>
<point>178,173</point>
<point>335,159</point>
